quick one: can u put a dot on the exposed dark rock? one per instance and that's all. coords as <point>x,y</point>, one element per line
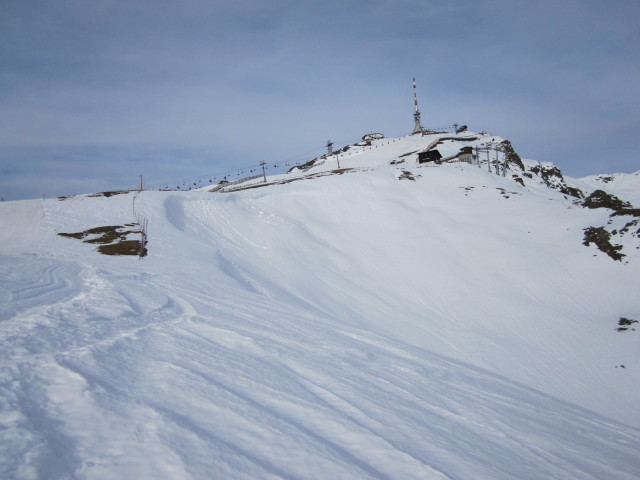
<point>552,177</point>
<point>109,194</point>
<point>626,321</point>
<point>512,156</point>
<point>625,324</point>
<point>628,226</point>
<point>304,166</point>
<point>124,247</point>
<point>571,191</point>
<point>519,180</point>
<point>547,173</point>
<point>602,239</point>
<point>407,175</point>
<point>602,199</point>
<point>634,212</point>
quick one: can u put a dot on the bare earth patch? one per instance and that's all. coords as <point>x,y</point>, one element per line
<point>113,239</point>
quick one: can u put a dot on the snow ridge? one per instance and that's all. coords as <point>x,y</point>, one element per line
<point>388,320</point>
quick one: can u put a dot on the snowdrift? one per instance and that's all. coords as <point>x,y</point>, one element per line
<point>382,320</point>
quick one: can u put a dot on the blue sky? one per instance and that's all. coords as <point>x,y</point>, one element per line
<point>93,94</point>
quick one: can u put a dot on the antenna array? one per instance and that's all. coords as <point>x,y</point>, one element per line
<point>416,115</point>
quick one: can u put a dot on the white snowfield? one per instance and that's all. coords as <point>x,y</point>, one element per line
<point>625,185</point>
<point>347,326</point>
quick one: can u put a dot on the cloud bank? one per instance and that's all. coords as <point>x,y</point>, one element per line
<point>92,95</point>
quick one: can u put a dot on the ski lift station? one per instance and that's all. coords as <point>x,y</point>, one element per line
<point>369,137</point>
<point>446,152</point>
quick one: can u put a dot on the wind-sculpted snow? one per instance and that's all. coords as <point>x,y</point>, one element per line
<point>26,283</point>
<point>50,321</point>
<point>354,326</point>
<point>181,391</point>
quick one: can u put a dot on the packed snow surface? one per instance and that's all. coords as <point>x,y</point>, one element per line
<point>381,321</point>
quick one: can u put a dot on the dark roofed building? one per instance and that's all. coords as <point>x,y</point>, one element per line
<point>465,154</point>
<point>429,156</point>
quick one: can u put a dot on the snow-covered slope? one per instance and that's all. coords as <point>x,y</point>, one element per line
<point>623,185</point>
<point>385,320</point>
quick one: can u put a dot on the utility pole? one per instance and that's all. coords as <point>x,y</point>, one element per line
<point>140,189</point>
<point>264,175</point>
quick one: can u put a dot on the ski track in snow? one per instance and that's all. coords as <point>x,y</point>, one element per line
<point>258,342</point>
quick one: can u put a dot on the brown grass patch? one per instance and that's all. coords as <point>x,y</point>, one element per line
<point>112,239</point>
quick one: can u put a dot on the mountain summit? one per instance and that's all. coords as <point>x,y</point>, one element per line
<point>422,307</point>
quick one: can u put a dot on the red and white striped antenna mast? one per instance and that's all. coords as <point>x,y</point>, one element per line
<point>416,115</point>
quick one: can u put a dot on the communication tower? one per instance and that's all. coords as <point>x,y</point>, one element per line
<point>416,115</point>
